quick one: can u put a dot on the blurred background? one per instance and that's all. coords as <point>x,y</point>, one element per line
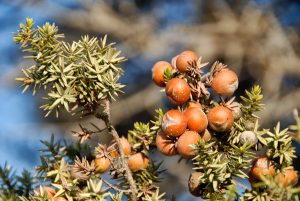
<point>258,39</point>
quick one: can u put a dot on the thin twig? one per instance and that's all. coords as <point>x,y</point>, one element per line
<point>114,187</point>
<point>105,116</point>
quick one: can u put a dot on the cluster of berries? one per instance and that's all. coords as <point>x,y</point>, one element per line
<point>196,118</point>
<point>136,161</point>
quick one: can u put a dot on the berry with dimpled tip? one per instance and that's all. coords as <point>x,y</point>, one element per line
<point>174,123</point>
<point>262,166</point>
<point>46,189</point>
<point>225,82</point>
<point>138,162</point>
<point>101,164</point>
<point>185,142</point>
<point>185,59</point>
<point>158,71</point>
<point>220,119</point>
<point>165,144</point>
<point>288,177</point>
<point>196,119</point>
<point>178,91</point>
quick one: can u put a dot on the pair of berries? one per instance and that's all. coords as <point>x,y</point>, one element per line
<point>263,166</point>
<point>182,62</point>
<point>175,122</point>
<point>182,145</point>
<point>136,162</point>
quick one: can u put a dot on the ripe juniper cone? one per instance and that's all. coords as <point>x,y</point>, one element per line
<point>178,91</point>
<point>185,60</point>
<point>83,78</point>
<point>158,72</point>
<point>174,123</point>
<point>166,144</point>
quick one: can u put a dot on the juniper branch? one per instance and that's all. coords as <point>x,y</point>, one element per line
<point>105,116</point>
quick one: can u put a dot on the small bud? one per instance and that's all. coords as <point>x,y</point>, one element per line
<point>249,125</point>
<point>29,22</point>
<point>236,110</point>
<point>248,137</point>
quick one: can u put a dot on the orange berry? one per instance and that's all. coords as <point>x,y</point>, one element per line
<point>288,177</point>
<point>158,70</point>
<point>185,142</point>
<point>126,148</point>
<point>185,59</point>
<point>262,166</point>
<point>101,164</point>
<point>165,144</point>
<point>178,91</point>
<point>206,135</point>
<point>49,190</point>
<point>220,119</point>
<point>225,82</point>
<point>174,123</point>
<point>138,162</point>
<point>196,119</point>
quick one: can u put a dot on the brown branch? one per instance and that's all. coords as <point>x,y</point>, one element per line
<point>105,116</point>
<point>114,187</point>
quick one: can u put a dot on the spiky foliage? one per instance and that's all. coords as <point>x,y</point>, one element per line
<point>252,103</point>
<point>77,74</point>
<point>270,189</point>
<point>141,137</point>
<point>219,166</point>
<point>280,147</point>
<point>12,185</point>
